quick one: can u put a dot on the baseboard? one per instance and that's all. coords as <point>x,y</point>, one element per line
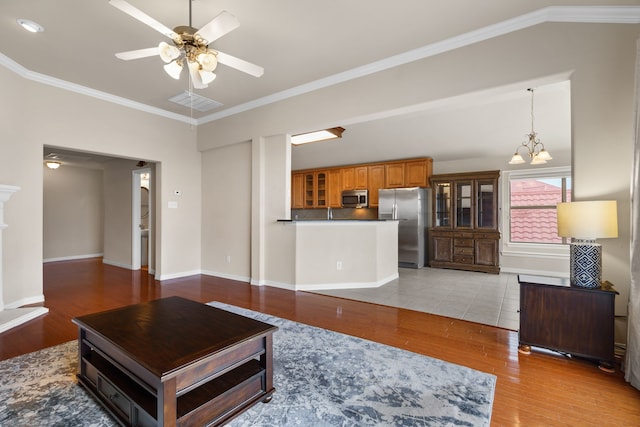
<point>117,264</point>
<point>325,286</point>
<point>72,257</point>
<point>226,276</point>
<point>178,275</point>
<point>25,301</point>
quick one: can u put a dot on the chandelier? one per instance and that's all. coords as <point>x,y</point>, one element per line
<point>532,146</point>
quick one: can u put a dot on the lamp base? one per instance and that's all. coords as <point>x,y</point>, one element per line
<point>585,263</point>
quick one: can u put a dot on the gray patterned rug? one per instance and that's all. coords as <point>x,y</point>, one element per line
<point>322,378</point>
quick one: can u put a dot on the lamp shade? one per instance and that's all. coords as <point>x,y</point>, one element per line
<point>588,220</point>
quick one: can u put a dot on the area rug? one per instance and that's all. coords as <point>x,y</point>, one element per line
<point>322,378</point>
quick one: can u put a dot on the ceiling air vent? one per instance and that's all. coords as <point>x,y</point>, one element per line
<point>196,102</point>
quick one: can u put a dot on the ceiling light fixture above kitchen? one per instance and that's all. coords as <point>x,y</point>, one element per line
<point>318,135</point>
<point>535,148</point>
<point>32,27</point>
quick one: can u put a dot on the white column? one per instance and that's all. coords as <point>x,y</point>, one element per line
<point>5,193</point>
<point>11,318</point>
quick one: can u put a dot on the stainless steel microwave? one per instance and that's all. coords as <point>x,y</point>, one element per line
<point>355,199</point>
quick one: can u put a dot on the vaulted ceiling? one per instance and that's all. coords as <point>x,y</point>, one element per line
<point>301,44</point>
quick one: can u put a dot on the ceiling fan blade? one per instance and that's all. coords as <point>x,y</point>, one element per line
<point>140,53</point>
<point>222,24</point>
<point>143,17</point>
<point>240,64</point>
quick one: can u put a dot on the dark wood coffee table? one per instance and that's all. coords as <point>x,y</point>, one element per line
<point>174,361</point>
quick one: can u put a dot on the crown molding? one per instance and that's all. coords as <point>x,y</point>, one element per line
<point>83,90</point>
<point>574,14</point>
<point>582,14</point>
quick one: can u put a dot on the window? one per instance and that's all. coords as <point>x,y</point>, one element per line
<point>533,197</point>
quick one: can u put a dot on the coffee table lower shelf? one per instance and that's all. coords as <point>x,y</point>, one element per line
<point>213,402</point>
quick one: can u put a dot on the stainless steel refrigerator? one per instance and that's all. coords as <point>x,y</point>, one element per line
<point>410,206</point>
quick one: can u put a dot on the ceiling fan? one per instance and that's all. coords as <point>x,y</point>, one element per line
<point>190,46</point>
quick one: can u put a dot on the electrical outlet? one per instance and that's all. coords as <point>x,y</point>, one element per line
<point>339,265</point>
<point>228,259</point>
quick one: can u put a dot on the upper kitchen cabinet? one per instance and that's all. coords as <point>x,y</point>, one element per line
<point>394,175</point>
<point>335,186</point>
<point>315,189</point>
<point>464,233</point>
<point>297,191</point>
<point>354,178</point>
<point>408,173</point>
<point>417,172</point>
<point>375,176</point>
<point>321,188</point>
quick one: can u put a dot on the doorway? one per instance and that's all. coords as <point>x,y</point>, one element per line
<point>141,220</point>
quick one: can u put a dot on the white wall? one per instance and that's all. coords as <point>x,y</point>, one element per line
<point>118,206</point>
<point>598,58</point>
<point>226,201</point>
<point>33,115</point>
<point>73,213</point>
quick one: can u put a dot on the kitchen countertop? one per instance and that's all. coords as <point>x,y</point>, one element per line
<point>336,220</point>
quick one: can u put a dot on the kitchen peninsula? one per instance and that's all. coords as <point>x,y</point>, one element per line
<point>342,253</point>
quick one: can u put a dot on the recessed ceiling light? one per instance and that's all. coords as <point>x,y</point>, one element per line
<point>30,26</point>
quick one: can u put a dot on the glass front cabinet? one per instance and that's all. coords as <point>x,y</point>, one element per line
<point>464,228</point>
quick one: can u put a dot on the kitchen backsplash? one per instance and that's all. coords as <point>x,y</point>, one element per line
<point>338,213</point>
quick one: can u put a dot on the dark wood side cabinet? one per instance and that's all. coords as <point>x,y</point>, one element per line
<point>568,319</point>
<point>464,233</point>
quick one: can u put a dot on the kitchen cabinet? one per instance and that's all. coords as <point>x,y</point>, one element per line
<point>375,178</point>
<point>394,175</point>
<point>354,178</point>
<point>348,178</point>
<point>361,175</point>
<point>335,188</point>
<point>315,189</point>
<point>464,233</point>
<point>417,172</point>
<point>297,191</point>
<point>567,319</point>
<point>321,188</point>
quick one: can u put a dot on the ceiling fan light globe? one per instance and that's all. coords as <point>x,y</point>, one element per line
<point>196,79</point>
<point>167,52</point>
<point>173,69</point>
<point>208,61</point>
<point>207,76</point>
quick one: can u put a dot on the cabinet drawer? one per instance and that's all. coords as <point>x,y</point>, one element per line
<point>463,242</point>
<point>114,397</point>
<point>462,251</point>
<point>463,235</point>
<point>463,259</point>
<point>486,236</point>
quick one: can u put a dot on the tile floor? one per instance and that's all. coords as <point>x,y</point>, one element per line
<point>490,299</point>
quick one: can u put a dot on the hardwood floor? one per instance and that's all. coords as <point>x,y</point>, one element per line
<point>542,389</point>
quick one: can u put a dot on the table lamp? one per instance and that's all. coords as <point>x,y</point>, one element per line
<point>584,222</point>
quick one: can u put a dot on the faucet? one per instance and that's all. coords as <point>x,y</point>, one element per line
<point>329,213</point>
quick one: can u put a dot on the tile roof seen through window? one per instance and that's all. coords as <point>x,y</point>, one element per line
<point>538,224</point>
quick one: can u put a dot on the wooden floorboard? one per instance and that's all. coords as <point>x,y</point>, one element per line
<point>541,389</point>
